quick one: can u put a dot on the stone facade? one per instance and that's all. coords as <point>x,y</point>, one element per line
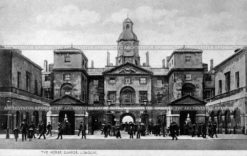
<point>20,86</point>
<point>228,107</point>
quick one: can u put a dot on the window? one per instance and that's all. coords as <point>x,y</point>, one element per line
<point>18,79</point>
<point>112,96</point>
<point>112,80</point>
<point>188,77</point>
<point>187,58</point>
<point>47,77</point>
<point>36,87</point>
<point>96,82</point>
<point>220,86</point>
<point>227,81</point>
<point>142,96</point>
<point>237,79</point>
<point>83,95</point>
<point>95,98</point>
<point>66,89</point>
<point>188,89</point>
<point>159,97</point>
<point>66,77</point>
<point>127,80</point>
<point>159,82</point>
<point>67,58</point>
<point>143,80</point>
<point>208,77</point>
<point>28,81</point>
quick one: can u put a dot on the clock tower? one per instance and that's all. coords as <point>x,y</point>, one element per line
<point>128,45</point>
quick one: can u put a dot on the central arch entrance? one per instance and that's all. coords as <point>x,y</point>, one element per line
<point>127,118</point>
<point>127,95</point>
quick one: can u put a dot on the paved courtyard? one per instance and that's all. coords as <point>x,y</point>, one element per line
<point>223,142</point>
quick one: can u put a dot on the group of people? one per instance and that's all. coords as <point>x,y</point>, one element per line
<point>30,130</point>
<point>200,129</point>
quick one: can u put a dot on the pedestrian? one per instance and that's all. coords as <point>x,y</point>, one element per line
<point>131,131</point>
<point>105,131</point>
<point>83,131</point>
<point>80,128</point>
<point>42,130</point>
<point>174,130</point>
<point>214,127</point>
<point>60,131</point>
<point>31,129</point>
<point>193,130</point>
<point>16,132</point>
<point>204,130</point>
<point>49,128</point>
<point>24,129</point>
<point>118,133</point>
<point>138,134</point>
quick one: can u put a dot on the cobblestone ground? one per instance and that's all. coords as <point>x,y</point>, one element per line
<point>223,142</point>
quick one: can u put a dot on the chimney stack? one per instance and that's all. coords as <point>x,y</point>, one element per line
<point>167,61</point>
<point>92,64</point>
<point>108,59</point>
<point>164,63</point>
<point>211,64</point>
<point>147,59</point>
<point>46,66</point>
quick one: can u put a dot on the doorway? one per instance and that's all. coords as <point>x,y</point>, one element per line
<point>187,118</point>
<point>67,119</point>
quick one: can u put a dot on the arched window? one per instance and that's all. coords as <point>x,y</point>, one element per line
<point>188,89</point>
<point>127,95</point>
<point>66,89</point>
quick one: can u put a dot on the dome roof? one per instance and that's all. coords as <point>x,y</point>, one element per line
<point>127,35</point>
<point>127,20</point>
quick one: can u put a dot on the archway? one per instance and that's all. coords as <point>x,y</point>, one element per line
<point>127,117</point>
<point>66,89</point>
<point>127,95</point>
<point>67,119</point>
<point>188,89</point>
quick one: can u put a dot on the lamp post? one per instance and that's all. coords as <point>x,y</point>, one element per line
<point>8,102</point>
<point>145,114</point>
<point>108,113</point>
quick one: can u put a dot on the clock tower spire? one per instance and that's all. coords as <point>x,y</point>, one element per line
<point>128,43</point>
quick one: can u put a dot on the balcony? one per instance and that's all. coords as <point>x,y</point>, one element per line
<point>24,93</point>
<point>227,94</point>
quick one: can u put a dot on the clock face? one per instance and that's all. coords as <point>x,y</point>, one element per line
<point>127,47</point>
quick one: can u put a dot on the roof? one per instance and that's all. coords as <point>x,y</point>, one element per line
<point>237,52</point>
<point>159,71</point>
<point>187,100</point>
<point>66,100</point>
<point>185,50</point>
<point>128,64</point>
<point>127,35</point>
<point>70,50</point>
<point>95,71</point>
<point>127,20</point>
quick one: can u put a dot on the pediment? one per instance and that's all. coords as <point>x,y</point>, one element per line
<point>188,100</point>
<point>128,68</point>
<point>66,100</point>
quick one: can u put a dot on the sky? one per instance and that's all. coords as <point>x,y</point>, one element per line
<point>94,22</point>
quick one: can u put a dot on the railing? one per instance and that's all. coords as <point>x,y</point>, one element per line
<point>24,93</point>
<point>227,94</point>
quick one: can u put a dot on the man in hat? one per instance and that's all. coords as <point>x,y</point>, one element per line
<point>24,128</point>
<point>60,131</point>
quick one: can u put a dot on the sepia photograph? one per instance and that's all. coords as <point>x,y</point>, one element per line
<point>123,77</point>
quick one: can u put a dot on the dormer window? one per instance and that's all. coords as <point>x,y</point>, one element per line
<point>187,58</point>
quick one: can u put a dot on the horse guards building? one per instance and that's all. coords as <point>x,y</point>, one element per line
<point>182,90</point>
